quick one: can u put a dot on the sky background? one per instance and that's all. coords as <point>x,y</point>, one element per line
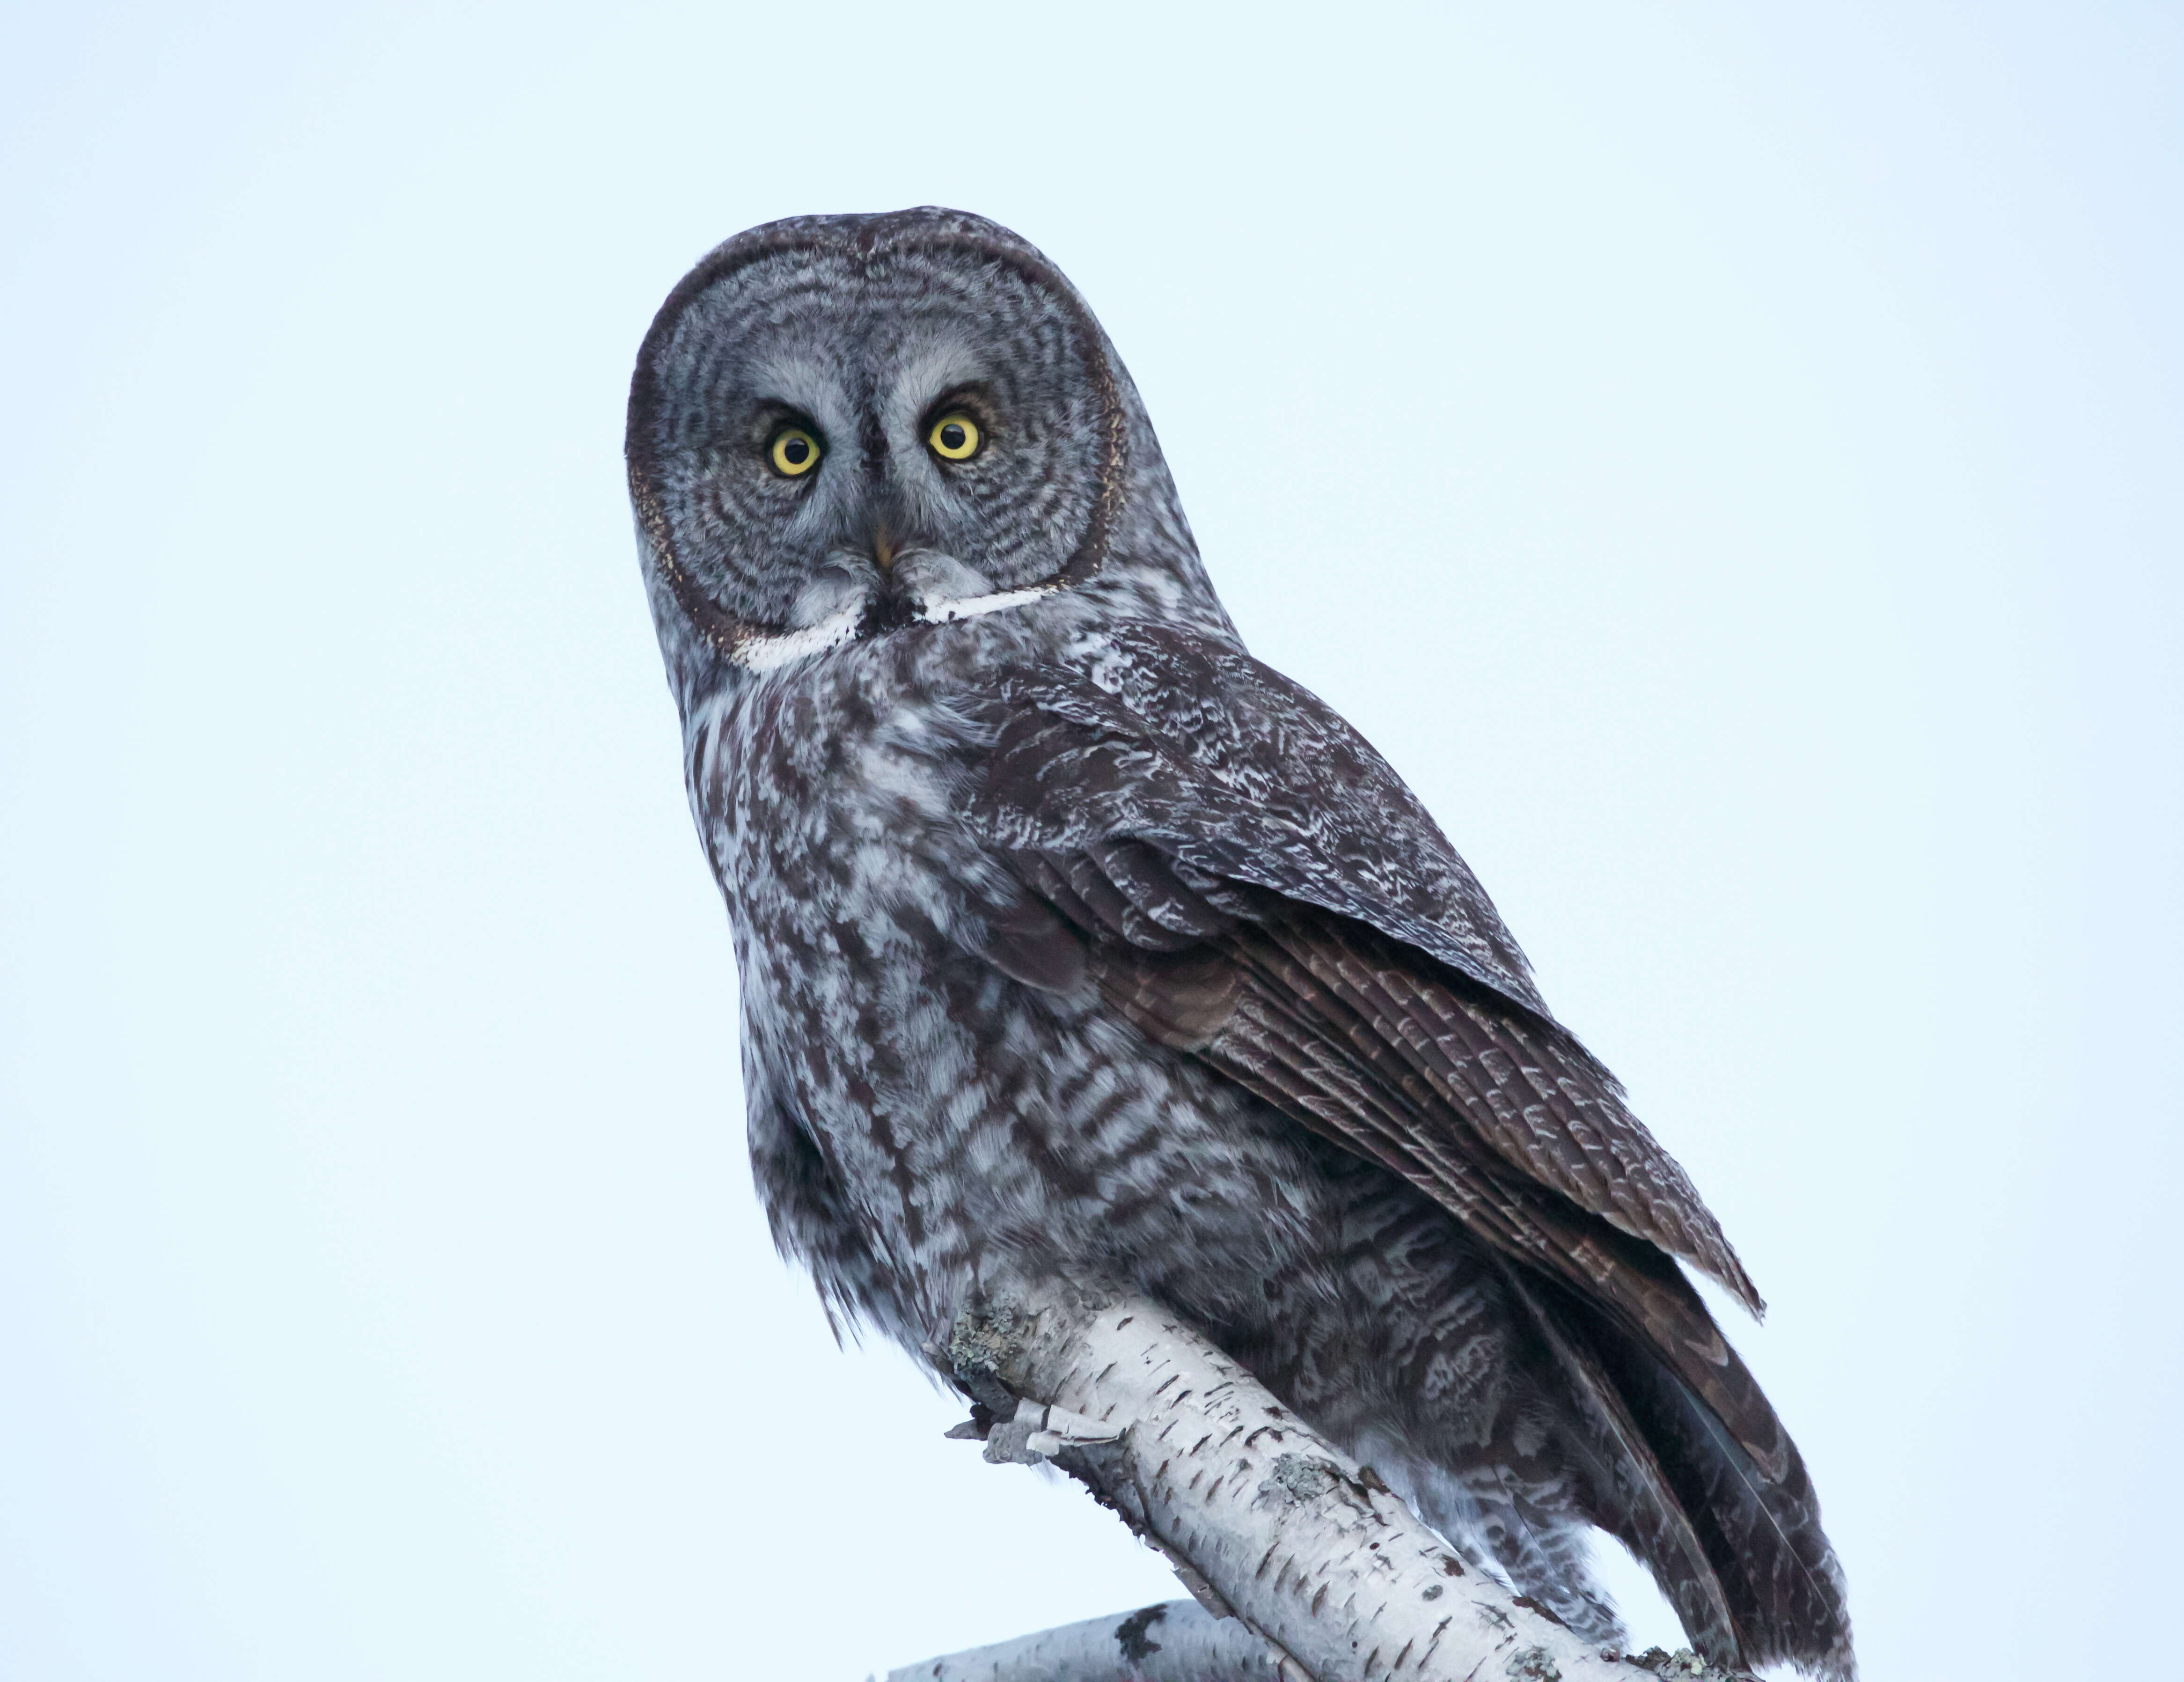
<point>1727,456</point>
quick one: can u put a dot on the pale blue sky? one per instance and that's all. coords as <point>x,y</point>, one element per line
<point>1727,457</point>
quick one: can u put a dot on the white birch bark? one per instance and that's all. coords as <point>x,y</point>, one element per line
<point>1179,1641</point>
<point>1260,1516</point>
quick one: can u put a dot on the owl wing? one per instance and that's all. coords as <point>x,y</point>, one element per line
<point>1247,880</point>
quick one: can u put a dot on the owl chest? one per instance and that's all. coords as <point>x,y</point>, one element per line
<point>866,1022</point>
<point>965,1120</point>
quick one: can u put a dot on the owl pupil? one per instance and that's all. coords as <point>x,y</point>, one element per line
<point>796,452</point>
<point>952,436</point>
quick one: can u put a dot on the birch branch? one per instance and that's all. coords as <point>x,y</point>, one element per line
<point>1179,1641</point>
<point>1182,1641</point>
<point>1264,1520</point>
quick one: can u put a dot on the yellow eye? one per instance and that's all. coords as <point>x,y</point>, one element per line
<point>795,452</point>
<point>953,437</point>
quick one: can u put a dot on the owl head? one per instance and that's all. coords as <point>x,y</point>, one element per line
<point>843,427</point>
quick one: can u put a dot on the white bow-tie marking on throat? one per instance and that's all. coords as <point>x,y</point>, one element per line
<point>769,651</point>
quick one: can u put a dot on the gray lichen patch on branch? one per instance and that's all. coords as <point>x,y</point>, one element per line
<point>986,1340</point>
<point>1682,1665</point>
<point>1302,1477</point>
<point>1297,1478</point>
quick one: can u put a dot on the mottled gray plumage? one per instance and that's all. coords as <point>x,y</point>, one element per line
<point>1074,941</point>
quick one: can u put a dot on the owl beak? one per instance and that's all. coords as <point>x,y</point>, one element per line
<point>883,548</point>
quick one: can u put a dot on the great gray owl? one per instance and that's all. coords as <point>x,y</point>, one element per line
<point>1076,942</point>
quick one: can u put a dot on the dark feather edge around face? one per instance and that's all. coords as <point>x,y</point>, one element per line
<point>859,239</point>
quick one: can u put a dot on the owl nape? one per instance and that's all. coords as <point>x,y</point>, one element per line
<point>1075,944</point>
